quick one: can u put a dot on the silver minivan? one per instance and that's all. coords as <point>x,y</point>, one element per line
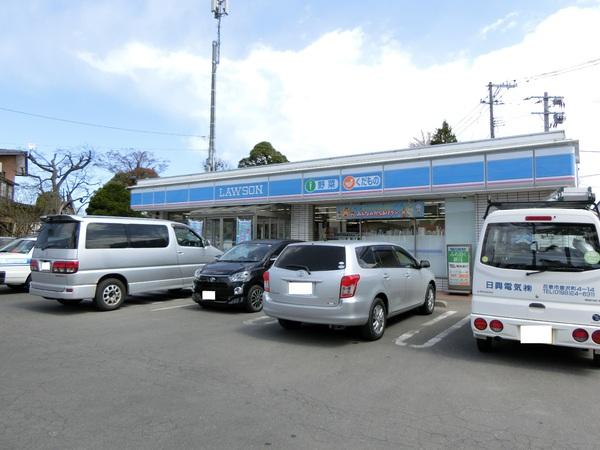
<point>107,258</point>
<point>346,283</point>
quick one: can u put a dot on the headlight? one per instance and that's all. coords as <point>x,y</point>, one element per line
<point>240,276</point>
<point>198,272</point>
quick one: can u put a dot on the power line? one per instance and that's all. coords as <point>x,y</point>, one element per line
<point>557,72</point>
<point>96,125</point>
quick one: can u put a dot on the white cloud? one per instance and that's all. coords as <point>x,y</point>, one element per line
<point>503,24</point>
<point>346,93</point>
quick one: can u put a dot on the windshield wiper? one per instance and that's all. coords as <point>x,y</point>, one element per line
<point>557,269</point>
<point>297,266</point>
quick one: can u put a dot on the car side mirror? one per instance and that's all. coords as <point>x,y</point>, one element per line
<point>424,264</point>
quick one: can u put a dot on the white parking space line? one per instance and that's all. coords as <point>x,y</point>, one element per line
<point>434,340</point>
<point>173,307</point>
<point>401,340</point>
<point>439,318</point>
<point>262,320</point>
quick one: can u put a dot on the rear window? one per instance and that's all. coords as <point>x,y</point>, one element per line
<point>148,236</point>
<point>570,247</point>
<point>106,235</point>
<point>312,257</point>
<point>62,235</point>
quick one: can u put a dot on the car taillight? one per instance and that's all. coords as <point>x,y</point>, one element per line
<point>580,335</point>
<point>596,337</point>
<point>480,323</point>
<point>33,265</point>
<point>65,266</point>
<point>348,285</point>
<point>496,325</point>
<point>266,282</point>
<point>538,218</point>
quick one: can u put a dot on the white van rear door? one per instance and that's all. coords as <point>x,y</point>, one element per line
<point>546,269</point>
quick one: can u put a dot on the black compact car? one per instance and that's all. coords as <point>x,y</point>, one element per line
<point>237,277</point>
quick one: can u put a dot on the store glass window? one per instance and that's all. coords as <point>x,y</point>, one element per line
<point>424,237</point>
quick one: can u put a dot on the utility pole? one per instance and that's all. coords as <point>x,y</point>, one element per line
<point>219,9</point>
<point>559,117</point>
<point>492,101</point>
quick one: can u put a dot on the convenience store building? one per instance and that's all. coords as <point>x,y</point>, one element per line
<point>422,198</point>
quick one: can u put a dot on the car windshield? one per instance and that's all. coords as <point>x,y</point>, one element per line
<point>247,252</point>
<point>541,246</point>
<point>22,246</point>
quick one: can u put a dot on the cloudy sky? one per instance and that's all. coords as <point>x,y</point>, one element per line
<point>315,78</point>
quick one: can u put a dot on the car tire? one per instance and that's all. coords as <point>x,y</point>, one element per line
<point>110,294</point>
<point>484,345</point>
<point>289,324</point>
<point>375,326</point>
<point>596,358</point>
<point>15,287</point>
<point>429,304</point>
<point>27,284</point>
<point>68,302</point>
<point>254,299</point>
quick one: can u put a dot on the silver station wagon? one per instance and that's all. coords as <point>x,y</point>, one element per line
<point>347,284</point>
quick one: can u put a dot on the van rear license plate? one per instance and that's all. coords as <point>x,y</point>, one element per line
<point>208,295</point>
<point>45,266</point>
<point>536,334</point>
<point>296,288</point>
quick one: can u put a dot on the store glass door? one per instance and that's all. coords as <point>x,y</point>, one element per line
<point>229,227</point>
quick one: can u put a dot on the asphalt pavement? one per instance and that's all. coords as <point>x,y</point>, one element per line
<point>161,372</point>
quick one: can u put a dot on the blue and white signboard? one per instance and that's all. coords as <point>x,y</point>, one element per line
<point>242,191</point>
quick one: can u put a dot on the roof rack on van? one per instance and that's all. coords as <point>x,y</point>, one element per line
<point>569,198</point>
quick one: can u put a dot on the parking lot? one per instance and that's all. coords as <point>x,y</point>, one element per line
<point>161,372</point>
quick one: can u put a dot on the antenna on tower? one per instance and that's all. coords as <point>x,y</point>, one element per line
<point>219,8</point>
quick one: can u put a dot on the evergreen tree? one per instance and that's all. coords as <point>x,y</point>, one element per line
<point>443,135</point>
<point>262,154</point>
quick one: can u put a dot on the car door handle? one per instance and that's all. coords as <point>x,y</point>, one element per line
<point>537,305</point>
<point>386,276</point>
<point>407,275</point>
<point>179,252</point>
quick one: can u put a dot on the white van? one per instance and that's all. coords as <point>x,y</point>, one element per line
<point>107,258</point>
<point>537,275</point>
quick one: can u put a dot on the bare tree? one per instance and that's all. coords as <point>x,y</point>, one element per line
<point>133,162</point>
<point>220,165</point>
<point>62,180</point>
<point>422,141</point>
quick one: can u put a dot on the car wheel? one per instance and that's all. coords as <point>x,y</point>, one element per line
<point>375,326</point>
<point>596,358</point>
<point>69,302</point>
<point>15,287</point>
<point>27,284</point>
<point>254,299</point>
<point>484,345</point>
<point>289,324</point>
<point>110,294</point>
<point>429,304</point>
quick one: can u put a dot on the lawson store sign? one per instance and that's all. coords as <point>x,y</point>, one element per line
<point>459,174</point>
